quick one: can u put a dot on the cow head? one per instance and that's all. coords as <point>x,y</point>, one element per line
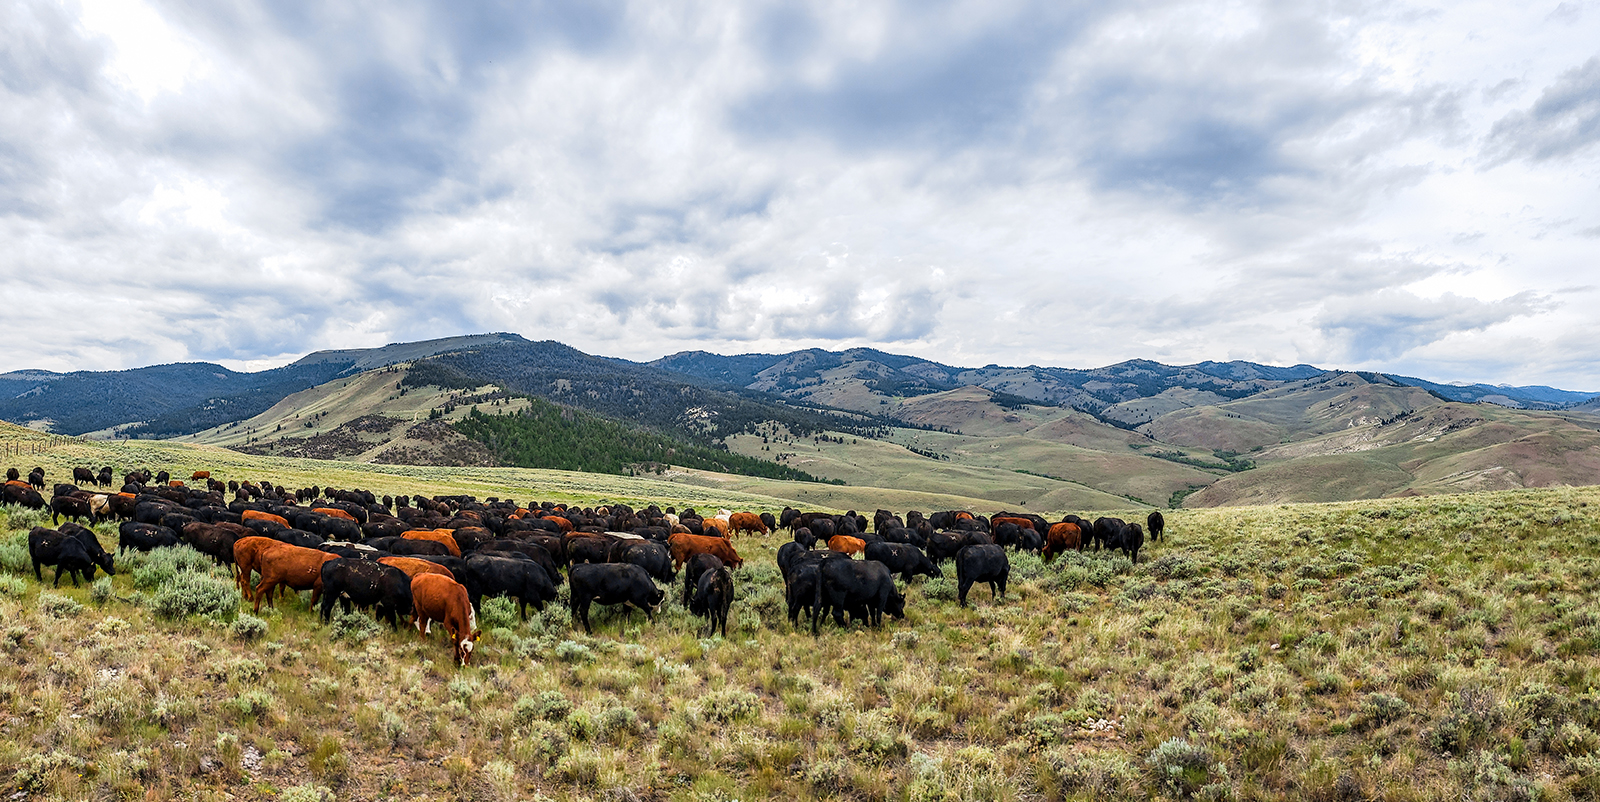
<point>896,605</point>
<point>464,648</point>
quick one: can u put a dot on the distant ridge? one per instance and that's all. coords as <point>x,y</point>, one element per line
<point>364,359</point>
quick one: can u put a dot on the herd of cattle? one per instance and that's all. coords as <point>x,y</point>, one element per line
<point>435,559</point>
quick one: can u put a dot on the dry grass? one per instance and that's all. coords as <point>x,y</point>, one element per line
<point>1402,649</point>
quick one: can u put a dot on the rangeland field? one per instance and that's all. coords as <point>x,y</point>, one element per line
<point>1442,647</point>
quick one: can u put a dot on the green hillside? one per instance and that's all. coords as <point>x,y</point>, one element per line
<point>1441,647</point>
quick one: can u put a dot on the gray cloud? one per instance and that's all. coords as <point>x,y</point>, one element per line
<point>1386,324</point>
<point>1005,182</point>
<point>1562,122</point>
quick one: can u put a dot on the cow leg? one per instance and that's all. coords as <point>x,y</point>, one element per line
<point>58,577</point>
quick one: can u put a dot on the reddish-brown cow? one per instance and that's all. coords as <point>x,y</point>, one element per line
<point>1063,537</point>
<point>435,598</point>
<point>414,567</point>
<point>685,546</point>
<point>845,544</point>
<point>445,536</point>
<point>290,566</point>
<point>746,522</point>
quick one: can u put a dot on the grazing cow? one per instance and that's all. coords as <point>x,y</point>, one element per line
<point>1157,524</point>
<point>199,475</point>
<point>943,545</point>
<point>365,584</point>
<point>800,582</point>
<point>104,477</point>
<point>1007,534</point>
<point>1063,537</point>
<point>22,496</point>
<point>612,583</point>
<point>408,546</point>
<point>1105,531</point>
<point>586,547</point>
<point>442,536</point>
<point>413,566</point>
<point>804,537</point>
<point>655,558</point>
<point>844,544</point>
<point>685,546</point>
<point>247,560</point>
<point>526,550</point>
<point>903,559</point>
<point>713,598</point>
<point>516,578</point>
<point>698,564</point>
<point>91,544</point>
<point>294,567</point>
<point>36,479</point>
<point>746,522</point>
<point>71,506</point>
<point>436,598</point>
<point>851,585</point>
<point>162,477</point>
<point>982,563</point>
<point>65,552</point>
<point>714,527</point>
<point>258,515</point>
<point>83,475</point>
<point>768,521</point>
<point>144,537</point>
<point>1128,539</point>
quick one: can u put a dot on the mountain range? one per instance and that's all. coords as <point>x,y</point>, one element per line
<point>1041,437</point>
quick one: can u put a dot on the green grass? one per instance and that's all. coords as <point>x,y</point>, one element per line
<point>1419,648</point>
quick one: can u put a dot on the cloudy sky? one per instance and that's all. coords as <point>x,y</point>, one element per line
<point>1397,186</point>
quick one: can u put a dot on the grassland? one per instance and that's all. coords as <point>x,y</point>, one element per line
<point>1444,647</point>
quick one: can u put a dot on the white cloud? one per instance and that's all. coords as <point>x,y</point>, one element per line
<point>993,182</point>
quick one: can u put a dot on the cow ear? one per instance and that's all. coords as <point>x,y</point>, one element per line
<point>475,634</point>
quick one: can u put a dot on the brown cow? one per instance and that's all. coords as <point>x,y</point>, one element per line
<point>258,515</point>
<point>334,513</point>
<point>247,558</point>
<point>714,527</point>
<point>1022,523</point>
<point>445,536</point>
<point>845,544</point>
<point>414,567</point>
<point>746,522</point>
<point>435,598</point>
<point>1062,537</point>
<point>293,567</point>
<point>198,475</point>
<point>685,546</point>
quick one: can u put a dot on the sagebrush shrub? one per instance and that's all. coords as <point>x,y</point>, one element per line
<point>1179,767</point>
<point>195,594</point>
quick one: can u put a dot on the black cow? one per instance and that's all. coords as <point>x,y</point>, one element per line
<point>22,496</point>
<point>1128,539</point>
<point>903,559</point>
<point>697,565</point>
<point>72,507</point>
<point>214,540</point>
<point>36,478</point>
<point>982,563</point>
<point>364,584</point>
<point>1157,524</point>
<point>944,545</point>
<point>525,550</point>
<point>1007,534</point>
<point>519,579</point>
<point>83,475</point>
<point>655,558</point>
<point>849,585</point>
<point>13,475</point>
<point>800,581</point>
<point>144,537</point>
<point>713,598</point>
<point>104,478</point>
<point>612,583</point>
<point>49,547</point>
<point>91,544</point>
<point>588,549</point>
<point>1105,531</point>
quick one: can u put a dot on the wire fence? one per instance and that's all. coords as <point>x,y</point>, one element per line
<point>32,445</point>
